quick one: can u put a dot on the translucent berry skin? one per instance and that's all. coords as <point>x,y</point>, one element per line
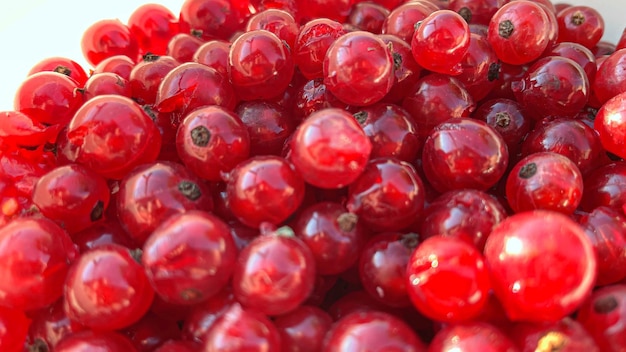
<point>334,236</point>
<point>106,289</point>
<point>313,96</point>
<point>566,334</point>
<point>580,24</point>
<point>606,228</point>
<point>13,329</point>
<point>260,65</point>
<point>183,47</point>
<point>553,86</point>
<point>152,331</point>
<point>507,117</point>
<point>211,141</point>
<point>609,80</point>
<point>212,18</point>
<point>189,257</point>
<point>405,68</point>
<point>606,186</point>
<point>49,326</point>
<point>121,65</point>
<point>147,75</point>
<point>72,196</point>
<point>279,22</point>
<point>479,68</point>
<point>35,256</point>
<point>106,83</point>
<point>153,192</point>
<point>312,43</point>
<point>106,38</point>
<point>192,85</point>
<point>580,54</point>
<point>464,153</point>
<point>471,336</point>
<point>111,135</point>
<point>239,329</point>
<point>303,329</point>
<point>603,314</point>
<point>402,19</point>
<point>544,180</point>
<point>200,318</point>
<point>542,265</point>
<point>467,214</point>
<point>269,125</point>
<point>95,340</point>
<point>475,12</point>
<point>62,65</point>
<point>214,53</point>
<point>441,41</point>
<point>48,97</point>
<point>274,274</point>
<point>368,16</point>
<point>437,262</point>
<point>264,189</point>
<point>374,331</point>
<point>519,32</point>
<point>330,149</point>
<point>610,123</point>
<point>388,196</point>
<point>153,25</point>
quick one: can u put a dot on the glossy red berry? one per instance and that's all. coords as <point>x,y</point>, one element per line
<point>402,19</point>
<point>405,69</point>
<point>303,329</point>
<point>368,16</point>
<point>471,336</point>
<point>153,25</point>
<point>35,256</point>
<point>260,65</point>
<point>147,75</point>
<point>606,186</point>
<point>49,326</point>
<point>211,18</point>
<point>580,24</point>
<point>542,265</point>
<point>62,65</point>
<point>475,12</point>
<point>358,68</point>
<point>603,314</point>
<point>107,289</point>
<point>580,54</point>
<point>211,141</point>
<point>214,53</point>
<point>269,125</point>
<point>464,153</point>
<point>566,334</point>
<point>189,257</point>
<point>330,149</point>
<point>610,123</point>
<point>90,340</point>
<point>18,130</point>
<point>279,22</point>
<point>106,38</point>
<point>264,189</point>
<point>183,46</point>
<point>111,135</point>
<point>106,83</point>
<point>121,65</point>
<point>440,42</point>
<point>312,43</point>
<point>151,332</point>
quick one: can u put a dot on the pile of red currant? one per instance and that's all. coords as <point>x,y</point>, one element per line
<point>321,175</point>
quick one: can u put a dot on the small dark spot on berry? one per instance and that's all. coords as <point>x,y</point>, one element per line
<point>38,345</point>
<point>347,221</point>
<point>613,157</point>
<point>466,14</point>
<point>397,61</point>
<point>410,240</point>
<point>503,119</point>
<point>200,136</point>
<point>63,70</point>
<point>97,211</point>
<point>528,170</point>
<point>360,117</point>
<point>190,190</point>
<point>605,305</point>
<point>494,71</point>
<point>136,253</point>
<point>150,57</point>
<point>148,110</point>
<point>505,29</point>
<point>578,18</point>
<point>196,33</point>
<point>417,25</point>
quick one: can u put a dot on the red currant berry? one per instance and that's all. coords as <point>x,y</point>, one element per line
<point>151,332</point>
<point>62,65</point>
<point>198,322</point>
<point>464,153</point>
<point>106,289</point>
<point>260,65</point>
<point>330,149</point>
<point>313,96</point>
<point>106,83</point>
<point>405,68</point>
<point>182,47</point>
<point>580,24</point>
<point>214,53</point>
<point>121,65</point>
<point>479,68</point>
<point>581,55</point>
<point>312,43</point>
<point>49,326</point>
<point>603,316</point>
<point>606,186</point>
<point>211,18</point>
<point>475,12</point>
<point>277,21</point>
<point>507,117</point>
<point>402,19</point>
<point>264,189</point>
<point>13,329</point>
<point>542,265</point>
<point>268,124</point>
<point>303,329</point>
<point>18,130</point>
<point>471,336</point>
<point>147,75</point>
<point>610,123</point>
<point>107,38</point>
<point>566,334</point>
<point>368,16</point>
<point>153,25</point>
<point>95,340</point>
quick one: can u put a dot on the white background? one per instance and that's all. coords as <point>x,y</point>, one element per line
<point>31,30</point>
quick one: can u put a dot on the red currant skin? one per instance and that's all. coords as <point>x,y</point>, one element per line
<point>475,12</point>
<point>437,262</point>
<point>211,18</point>
<point>441,41</point>
<point>402,19</point>
<point>542,265</point>
<point>303,329</point>
<point>334,236</point>
<point>240,329</point>
<point>214,53</point>
<point>121,65</point>
<point>268,124</point>
<point>580,24</point>
<point>610,123</point>
<point>189,257</point>
<point>49,326</point>
<point>106,83</point>
<point>200,317</point>
<point>35,256</point>
<point>147,75</point>
<point>330,149</point>
<point>467,214</point>
<point>553,86</point>
<point>544,180</point>
<point>480,67</point>
<point>382,267</point>
<point>359,68</point>
<point>106,38</point>
<point>107,289</point>
<point>405,68</point>
<point>606,186</point>
<point>277,21</point>
<point>606,228</point>
<point>183,46</point>
<point>62,65</point>
<point>388,196</point>
<point>464,153</point>
<point>471,336</point>
<point>260,65</point>
<point>153,25</point>
<point>72,196</point>
<point>603,316</point>
<point>371,331</point>
<point>211,141</point>
<point>48,97</point>
<point>519,32</point>
<point>90,340</point>
<point>275,273</point>
<point>153,192</point>
<point>368,16</point>
<point>111,135</point>
<point>312,43</point>
<point>179,346</point>
<point>152,331</point>
<point>13,329</point>
<point>580,54</point>
<point>264,189</point>
<point>564,335</point>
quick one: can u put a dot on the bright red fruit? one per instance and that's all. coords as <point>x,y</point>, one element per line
<point>610,122</point>
<point>107,38</point>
